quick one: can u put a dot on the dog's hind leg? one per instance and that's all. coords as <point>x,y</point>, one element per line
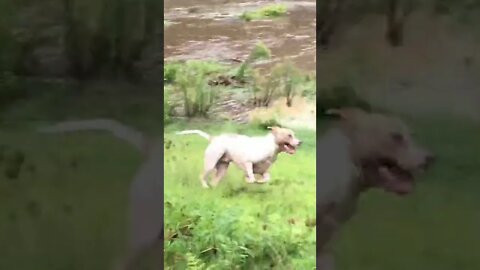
<point>222,168</point>
<point>213,154</point>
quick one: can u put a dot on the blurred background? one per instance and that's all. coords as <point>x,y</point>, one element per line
<point>64,198</point>
<point>418,59</point>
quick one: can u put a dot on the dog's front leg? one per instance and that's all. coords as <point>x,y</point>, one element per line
<point>265,178</point>
<point>249,171</point>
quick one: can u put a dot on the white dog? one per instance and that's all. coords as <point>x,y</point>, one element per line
<point>253,155</point>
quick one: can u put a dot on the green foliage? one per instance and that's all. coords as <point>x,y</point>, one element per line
<point>283,80</point>
<point>289,80</point>
<point>265,122</point>
<point>166,105</point>
<point>108,36</point>
<point>260,51</point>
<point>266,12</point>
<point>264,89</point>
<point>342,95</point>
<point>191,80</point>
<point>309,86</point>
<point>170,72</point>
<point>193,263</point>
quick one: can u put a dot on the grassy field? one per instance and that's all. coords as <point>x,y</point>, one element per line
<point>238,225</point>
<point>63,200</point>
<point>63,205</point>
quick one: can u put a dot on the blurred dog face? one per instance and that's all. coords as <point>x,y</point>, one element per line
<point>384,150</point>
<point>286,140</point>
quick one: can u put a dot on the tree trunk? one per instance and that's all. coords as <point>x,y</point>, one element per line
<point>72,41</point>
<point>397,12</point>
<point>329,17</point>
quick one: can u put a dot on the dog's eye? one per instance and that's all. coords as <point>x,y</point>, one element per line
<point>290,135</point>
<point>398,137</point>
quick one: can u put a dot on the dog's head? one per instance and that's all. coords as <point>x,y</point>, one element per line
<point>384,149</point>
<point>285,139</point>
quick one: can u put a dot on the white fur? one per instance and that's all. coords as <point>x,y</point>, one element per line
<point>245,148</point>
<point>195,131</point>
<point>337,180</point>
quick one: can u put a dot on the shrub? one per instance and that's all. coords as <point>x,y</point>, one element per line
<point>289,80</point>
<point>264,119</point>
<point>309,86</point>
<point>108,36</point>
<point>269,11</point>
<point>170,72</point>
<point>342,95</point>
<point>284,80</point>
<point>264,89</point>
<point>191,80</point>
<point>260,51</point>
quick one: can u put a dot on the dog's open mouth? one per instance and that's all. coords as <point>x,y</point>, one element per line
<point>395,178</point>
<point>289,148</point>
<point>387,174</point>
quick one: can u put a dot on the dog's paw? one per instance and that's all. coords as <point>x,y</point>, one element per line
<point>250,181</point>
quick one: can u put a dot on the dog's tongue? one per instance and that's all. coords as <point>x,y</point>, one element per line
<point>396,183</point>
<point>289,149</point>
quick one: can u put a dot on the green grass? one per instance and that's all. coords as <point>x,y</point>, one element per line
<point>63,199</point>
<point>266,12</point>
<point>64,205</point>
<point>239,225</point>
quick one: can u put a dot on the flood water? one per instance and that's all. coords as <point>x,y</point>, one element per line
<point>211,29</point>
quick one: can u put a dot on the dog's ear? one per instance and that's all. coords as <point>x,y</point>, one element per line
<point>273,129</point>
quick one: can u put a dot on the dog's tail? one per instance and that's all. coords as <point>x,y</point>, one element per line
<point>119,130</point>
<point>196,131</point>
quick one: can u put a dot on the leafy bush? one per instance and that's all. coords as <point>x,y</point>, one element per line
<point>264,89</point>
<point>264,119</point>
<point>227,239</point>
<point>289,80</point>
<point>170,72</point>
<point>260,51</point>
<point>191,80</point>
<point>285,79</point>
<point>342,95</point>
<point>108,36</point>
<point>269,11</point>
<point>309,86</point>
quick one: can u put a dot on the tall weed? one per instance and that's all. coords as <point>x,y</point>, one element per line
<point>191,80</point>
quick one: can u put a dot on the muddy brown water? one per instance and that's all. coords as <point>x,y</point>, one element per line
<point>211,29</point>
